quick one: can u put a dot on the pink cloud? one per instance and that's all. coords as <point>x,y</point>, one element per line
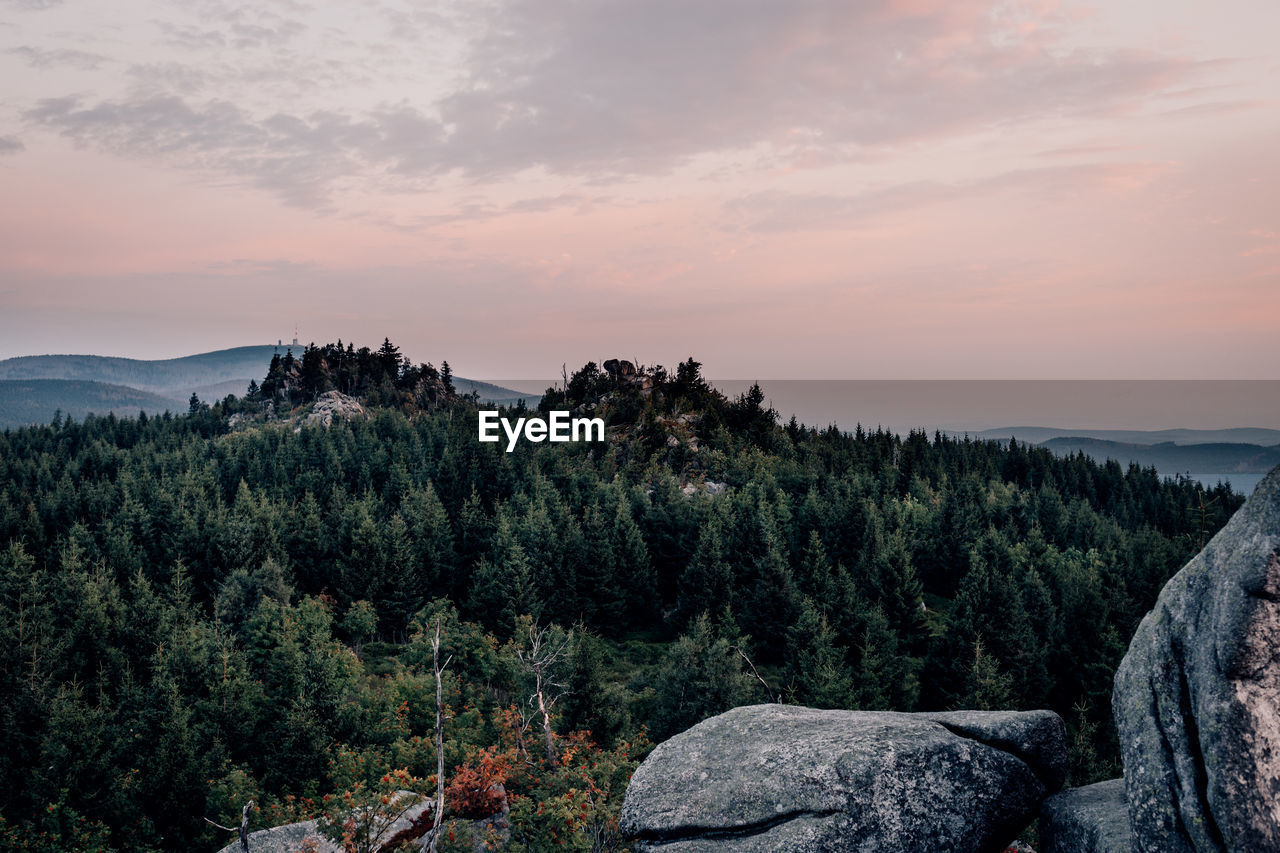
<point>884,188</point>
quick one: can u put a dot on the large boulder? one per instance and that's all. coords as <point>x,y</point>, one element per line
<point>1090,819</point>
<point>1197,696</point>
<point>778,777</point>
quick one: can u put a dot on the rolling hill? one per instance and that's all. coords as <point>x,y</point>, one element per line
<point>1039,435</point>
<point>490,393</point>
<point>169,377</point>
<point>1169,458</point>
<point>1241,456</point>
<point>35,401</point>
<point>34,387</point>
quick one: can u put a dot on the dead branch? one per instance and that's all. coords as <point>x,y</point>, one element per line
<point>244,826</point>
<point>776,698</point>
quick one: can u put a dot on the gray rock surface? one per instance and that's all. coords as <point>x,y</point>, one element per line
<point>778,777</point>
<point>1197,696</point>
<point>334,404</point>
<point>289,838</point>
<point>709,486</point>
<point>1090,819</point>
<point>306,835</point>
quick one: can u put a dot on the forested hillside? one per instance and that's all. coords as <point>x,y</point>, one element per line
<point>197,610</point>
<point>1169,457</point>
<point>166,375</point>
<point>34,401</point>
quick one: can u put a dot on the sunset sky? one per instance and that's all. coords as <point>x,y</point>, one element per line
<point>849,189</point>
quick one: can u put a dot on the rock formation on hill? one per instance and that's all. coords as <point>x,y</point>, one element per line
<point>408,828</point>
<point>619,368</point>
<point>1197,697</point>
<point>777,777</point>
<point>333,404</point>
<point>412,824</point>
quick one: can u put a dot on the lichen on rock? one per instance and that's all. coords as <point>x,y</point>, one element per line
<point>1197,696</point>
<point>777,777</point>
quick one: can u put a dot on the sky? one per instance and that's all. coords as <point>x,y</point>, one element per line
<point>876,189</point>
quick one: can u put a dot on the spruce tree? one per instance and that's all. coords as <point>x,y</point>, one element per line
<point>707,582</point>
<point>819,669</point>
<point>702,675</point>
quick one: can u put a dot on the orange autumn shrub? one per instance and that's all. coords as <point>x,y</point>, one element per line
<point>477,789</point>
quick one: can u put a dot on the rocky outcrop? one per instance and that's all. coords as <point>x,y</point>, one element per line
<point>333,404</point>
<point>289,838</point>
<point>1091,819</point>
<point>625,372</point>
<point>619,368</point>
<point>777,777</point>
<point>410,828</point>
<point>306,835</point>
<point>1197,696</point>
<point>709,486</point>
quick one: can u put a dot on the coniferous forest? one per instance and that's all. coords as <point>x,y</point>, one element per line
<point>233,604</point>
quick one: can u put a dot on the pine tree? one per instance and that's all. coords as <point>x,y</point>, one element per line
<point>887,679</point>
<point>404,593</point>
<point>893,582</point>
<point>707,582</point>
<point>634,571</point>
<point>819,669</point>
<point>771,606</point>
<point>446,378</point>
<point>1037,633</point>
<point>503,588</point>
<point>604,606</point>
<point>388,358</point>
<point>432,537</point>
<point>474,529</point>
<point>593,703</point>
<point>987,598</point>
<point>702,675</point>
<point>986,687</point>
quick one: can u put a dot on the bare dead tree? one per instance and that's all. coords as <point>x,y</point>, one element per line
<point>244,826</point>
<point>776,698</point>
<point>541,657</point>
<point>434,835</point>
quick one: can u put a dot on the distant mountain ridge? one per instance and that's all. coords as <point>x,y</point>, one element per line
<point>1241,455</point>
<point>1170,458</point>
<point>34,387</point>
<point>168,375</point>
<point>490,393</point>
<point>1039,435</point>
<point>36,401</point>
